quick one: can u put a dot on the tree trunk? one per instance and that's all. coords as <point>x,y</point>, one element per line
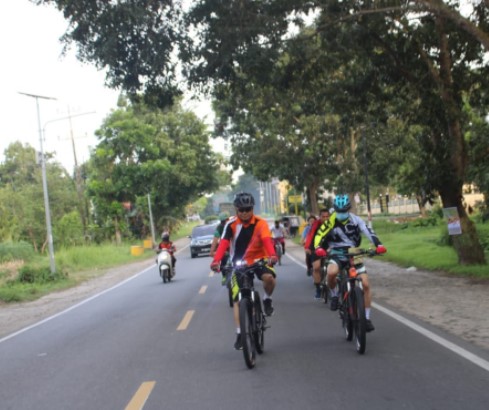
<point>312,190</point>
<point>467,245</point>
<point>118,235</point>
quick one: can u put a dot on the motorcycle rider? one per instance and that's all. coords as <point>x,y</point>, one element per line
<point>167,244</point>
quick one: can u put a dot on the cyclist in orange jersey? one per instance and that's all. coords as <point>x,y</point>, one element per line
<point>249,239</point>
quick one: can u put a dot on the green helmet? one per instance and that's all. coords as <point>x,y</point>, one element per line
<point>223,216</point>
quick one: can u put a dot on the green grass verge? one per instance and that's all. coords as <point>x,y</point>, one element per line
<point>24,282</point>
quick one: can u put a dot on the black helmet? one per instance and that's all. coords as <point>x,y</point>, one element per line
<point>342,203</point>
<point>243,200</point>
<point>165,236</point>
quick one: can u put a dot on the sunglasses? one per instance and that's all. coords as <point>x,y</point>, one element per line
<point>245,209</point>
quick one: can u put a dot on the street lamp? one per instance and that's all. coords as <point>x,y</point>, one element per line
<point>44,182</point>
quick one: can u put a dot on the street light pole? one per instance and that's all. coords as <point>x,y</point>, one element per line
<point>44,182</point>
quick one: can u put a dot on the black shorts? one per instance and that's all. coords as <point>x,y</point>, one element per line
<point>235,283</point>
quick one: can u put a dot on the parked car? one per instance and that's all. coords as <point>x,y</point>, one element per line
<point>201,239</point>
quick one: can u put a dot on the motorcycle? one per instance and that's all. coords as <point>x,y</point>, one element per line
<point>165,265</point>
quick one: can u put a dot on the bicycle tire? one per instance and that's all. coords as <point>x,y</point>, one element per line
<point>359,319</point>
<point>246,326</point>
<point>278,251</point>
<point>230,296</point>
<point>259,331</point>
<point>324,283</point>
<point>346,315</point>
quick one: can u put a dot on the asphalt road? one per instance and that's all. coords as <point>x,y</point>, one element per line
<point>150,345</point>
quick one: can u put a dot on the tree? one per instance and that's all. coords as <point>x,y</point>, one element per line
<point>21,195</point>
<point>142,150</point>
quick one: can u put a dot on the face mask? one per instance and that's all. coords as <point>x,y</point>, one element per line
<point>342,216</point>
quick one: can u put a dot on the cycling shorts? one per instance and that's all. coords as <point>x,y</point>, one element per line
<point>342,260</point>
<point>259,272</point>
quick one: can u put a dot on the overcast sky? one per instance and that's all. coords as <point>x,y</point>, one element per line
<point>32,63</point>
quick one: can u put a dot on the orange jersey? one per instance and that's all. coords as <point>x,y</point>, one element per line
<point>249,242</point>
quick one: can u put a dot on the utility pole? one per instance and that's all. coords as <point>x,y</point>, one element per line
<point>44,182</point>
<point>151,221</point>
<point>78,182</point>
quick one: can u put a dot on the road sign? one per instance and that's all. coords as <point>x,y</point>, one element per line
<point>295,199</point>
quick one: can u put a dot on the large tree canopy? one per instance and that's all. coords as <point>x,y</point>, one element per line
<point>142,150</point>
<point>375,53</point>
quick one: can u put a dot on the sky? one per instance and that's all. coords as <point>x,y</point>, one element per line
<point>32,63</point>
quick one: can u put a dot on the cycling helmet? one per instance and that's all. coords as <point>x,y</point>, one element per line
<point>243,199</point>
<point>342,203</point>
<point>165,236</point>
<point>223,216</point>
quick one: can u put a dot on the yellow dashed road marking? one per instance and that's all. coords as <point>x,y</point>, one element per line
<point>203,289</point>
<point>186,320</point>
<point>139,399</point>
<point>211,274</point>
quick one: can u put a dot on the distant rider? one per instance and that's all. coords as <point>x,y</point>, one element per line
<point>223,218</point>
<point>278,234</point>
<point>342,230</point>
<point>309,248</point>
<point>167,244</point>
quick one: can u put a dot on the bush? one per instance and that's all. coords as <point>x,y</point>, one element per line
<point>39,274</point>
<point>10,251</point>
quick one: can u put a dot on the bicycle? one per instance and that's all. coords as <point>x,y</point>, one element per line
<point>351,299</point>
<point>251,314</point>
<point>227,271</point>
<point>278,249</point>
<point>324,283</point>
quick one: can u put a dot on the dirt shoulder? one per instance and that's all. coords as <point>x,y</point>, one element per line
<point>456,305</point>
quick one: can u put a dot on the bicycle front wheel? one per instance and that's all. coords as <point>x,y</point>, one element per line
<point>259,325</point>
<point>359,319</point>
<point>246,325</point>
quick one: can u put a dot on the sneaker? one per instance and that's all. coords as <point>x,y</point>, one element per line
<point>309,272</point>
<point>238,345</point>
<point>334,303</point>
<point>317,295</point>
<point>267,303</point>
<point>369,327</point>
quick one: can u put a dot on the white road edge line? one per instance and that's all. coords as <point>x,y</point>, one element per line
<point>25,329</point>
<point>479,361</point>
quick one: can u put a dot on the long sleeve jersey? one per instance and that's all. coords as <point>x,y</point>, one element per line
<point>250,241</point>
<point>335,234</point>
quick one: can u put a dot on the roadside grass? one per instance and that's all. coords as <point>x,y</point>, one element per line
<point>425,245</point>
<point>30,279</point>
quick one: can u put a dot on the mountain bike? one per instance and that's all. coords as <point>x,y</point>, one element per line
<point>227,271</point>
<point>351,299</point>
<point>324,283</point>
<point>278,249</point>
<point>251,314</point>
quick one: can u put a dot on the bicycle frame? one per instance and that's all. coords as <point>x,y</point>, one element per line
<point>251,316</point>
<point>352,304</point>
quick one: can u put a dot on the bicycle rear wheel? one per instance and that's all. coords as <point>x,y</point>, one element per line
<point>259,325</point>
<point>246,325</point>
<point>359,320</point>
<point>278,251</point>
